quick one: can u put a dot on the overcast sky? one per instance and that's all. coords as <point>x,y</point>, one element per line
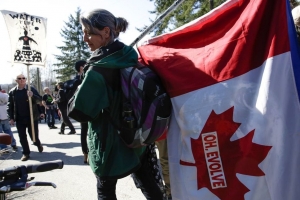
<point>136,12</point>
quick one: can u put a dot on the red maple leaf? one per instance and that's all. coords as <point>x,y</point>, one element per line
<point>239,156</point>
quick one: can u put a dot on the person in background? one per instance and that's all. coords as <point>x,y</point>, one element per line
<point>62,105</point>
<point>296,18</point>
<point>4,122</point>
<point>43,110</point>
<point>49,106</point>
<point>79,65</point>
<point>109,157</point>
<point>55,95</point>
<point>162,147</point>
<point>18,111</point>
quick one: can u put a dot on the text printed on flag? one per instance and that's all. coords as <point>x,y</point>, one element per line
<point>213,160</point>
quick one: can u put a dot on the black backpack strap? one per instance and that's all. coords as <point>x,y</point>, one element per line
<point>105,131</point>
<point>107,73</point>
<point>115,84</point>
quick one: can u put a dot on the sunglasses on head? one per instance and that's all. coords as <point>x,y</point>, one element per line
<point>21,78</point>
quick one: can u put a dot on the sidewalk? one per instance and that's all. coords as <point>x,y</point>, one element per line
<point>75,181</point>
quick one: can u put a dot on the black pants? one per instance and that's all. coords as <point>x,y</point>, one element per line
<point>21,127</point>
<point>143,179</point>
<point>84,131</point>
<point>66,121</point>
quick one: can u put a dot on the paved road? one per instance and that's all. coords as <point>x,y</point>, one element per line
<point>74,181</point>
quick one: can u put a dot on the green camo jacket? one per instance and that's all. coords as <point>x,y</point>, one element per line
<point>97,92</point>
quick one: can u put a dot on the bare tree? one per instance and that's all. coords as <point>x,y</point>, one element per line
<point>35,78</point>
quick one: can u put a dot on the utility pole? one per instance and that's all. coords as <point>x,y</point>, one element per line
<point>38,81</point>
<point>159,19</point>
<point>211,3</point>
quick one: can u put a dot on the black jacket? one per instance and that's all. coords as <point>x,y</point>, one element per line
<point>61,100</point>
<point>11,106</point>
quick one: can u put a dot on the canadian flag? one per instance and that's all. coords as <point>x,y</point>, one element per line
<point>234,78</point>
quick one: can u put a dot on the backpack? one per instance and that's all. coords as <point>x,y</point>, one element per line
<point>145,98</point>
<point>70,87</point>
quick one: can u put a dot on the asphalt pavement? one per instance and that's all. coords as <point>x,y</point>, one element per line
<point>74,181</point>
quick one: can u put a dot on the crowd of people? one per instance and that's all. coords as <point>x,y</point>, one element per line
<point>15,110</point>
<point>101,30</point>
<point>108,156</point>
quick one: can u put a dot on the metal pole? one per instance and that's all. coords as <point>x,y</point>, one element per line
<point>211,3</point>
<point>38,80</point>
<point>30,105</point>
<point>161,17</point>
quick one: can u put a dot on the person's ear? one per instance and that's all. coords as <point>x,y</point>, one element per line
<point>106,31</point>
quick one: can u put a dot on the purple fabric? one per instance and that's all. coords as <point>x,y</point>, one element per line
<point>153,126</point>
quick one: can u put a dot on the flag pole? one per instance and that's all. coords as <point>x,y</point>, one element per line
<point>160,18</point>
<point>30,105</point>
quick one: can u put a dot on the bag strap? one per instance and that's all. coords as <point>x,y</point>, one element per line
<point>106,73</point>
<point>105,131</point>
<point>107,115</point>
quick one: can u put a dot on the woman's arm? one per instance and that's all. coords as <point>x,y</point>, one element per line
<point>91,97</point>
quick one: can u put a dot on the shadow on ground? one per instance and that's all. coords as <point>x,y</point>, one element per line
<point>46,156</point>
<point>69,145</point>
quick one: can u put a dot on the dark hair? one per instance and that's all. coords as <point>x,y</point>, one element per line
<point>78,64</point>
<point>100,18</point>
<point>61,84</point>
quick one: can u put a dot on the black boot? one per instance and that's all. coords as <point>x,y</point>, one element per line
<point>72,132</point>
